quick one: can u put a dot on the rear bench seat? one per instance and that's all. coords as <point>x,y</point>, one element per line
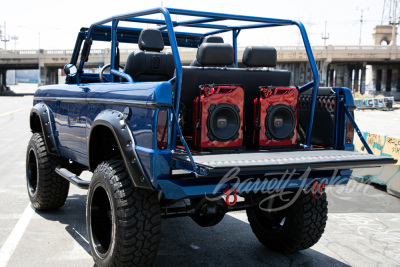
<point>217,54</point>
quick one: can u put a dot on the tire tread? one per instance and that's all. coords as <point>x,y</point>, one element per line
<point>52,189</point>
<point>138,218</point>
<point>308,217</point>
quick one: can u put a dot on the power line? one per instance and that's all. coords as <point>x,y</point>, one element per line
<point>389,17</point>
<point>389,12</point>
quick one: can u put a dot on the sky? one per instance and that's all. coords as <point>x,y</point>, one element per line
<point>58,22</point>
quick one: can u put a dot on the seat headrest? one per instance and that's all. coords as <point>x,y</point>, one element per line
<point>213,39</point>
<point>215,54</point>
<point>259,56</point>
<point>151,40</point>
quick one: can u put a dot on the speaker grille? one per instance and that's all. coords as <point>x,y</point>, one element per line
<point>223,122</point>
<point>280,122</point>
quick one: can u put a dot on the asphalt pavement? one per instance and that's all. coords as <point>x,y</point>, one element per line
<point>385,123</point>
<point>363,227</point>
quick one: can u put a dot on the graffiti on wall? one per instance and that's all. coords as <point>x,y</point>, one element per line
<point>389,175</point>
<point>374,102</point>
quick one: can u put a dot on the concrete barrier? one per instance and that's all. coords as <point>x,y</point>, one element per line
<point>389,175</point>
<point>377,102</point>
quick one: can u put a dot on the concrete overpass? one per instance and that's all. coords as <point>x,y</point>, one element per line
<point>338,65</point>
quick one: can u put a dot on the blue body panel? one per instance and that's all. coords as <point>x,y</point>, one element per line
<point>70,113</point>
<point>75,108</point>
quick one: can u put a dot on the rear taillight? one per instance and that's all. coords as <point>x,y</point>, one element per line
<point>162,129</point>
<point>349,130</point>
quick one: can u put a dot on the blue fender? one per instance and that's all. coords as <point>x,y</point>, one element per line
<point>115,122</point>
<point>46,122</point>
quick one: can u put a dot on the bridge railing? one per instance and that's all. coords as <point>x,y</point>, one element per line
<point>191,50</point>
<point>58,52</point>
<point>187,54</point>
<point>18,52</point>
<point>338,47</point>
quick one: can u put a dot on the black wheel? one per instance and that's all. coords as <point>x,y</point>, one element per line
<point>295,228</point>
<point>123,222</point>
<point>46,189</point>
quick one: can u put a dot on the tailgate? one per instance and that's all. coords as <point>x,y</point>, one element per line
<point>262,161</point>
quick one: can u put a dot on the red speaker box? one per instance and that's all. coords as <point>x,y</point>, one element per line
<point>276,117</point>
<point>218,117</point>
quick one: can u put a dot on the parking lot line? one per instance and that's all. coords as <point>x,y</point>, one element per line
<point>13,111</point>
<point>13,239</point>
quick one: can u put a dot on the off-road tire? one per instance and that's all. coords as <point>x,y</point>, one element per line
<point>46,189</point>
<point>123,222</point>
<point>303,226</point>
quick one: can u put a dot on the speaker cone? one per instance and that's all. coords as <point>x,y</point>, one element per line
<point>280,122</point>
<point>223,122</point>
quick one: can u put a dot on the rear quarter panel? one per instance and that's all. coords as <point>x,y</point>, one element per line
<point>144,99</point>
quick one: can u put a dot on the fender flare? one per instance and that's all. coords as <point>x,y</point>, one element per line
<point>115,121</point>
<point>46,120</point>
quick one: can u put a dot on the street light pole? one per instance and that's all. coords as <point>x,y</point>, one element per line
<point>39,73</point>
<point>361,22</point>
<point>394,26</point>
<point>325,37</point>
<point>5,40</point>
<point>15,39</point>
<point>38,33</point>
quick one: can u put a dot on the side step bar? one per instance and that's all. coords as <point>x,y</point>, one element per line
<point>72,178</point>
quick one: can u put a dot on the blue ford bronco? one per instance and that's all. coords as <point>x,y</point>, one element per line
<point>165,140</point>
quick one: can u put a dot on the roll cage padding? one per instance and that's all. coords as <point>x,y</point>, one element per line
<point>41,114</point>
<point>86,49</point>
<point>115,122</point>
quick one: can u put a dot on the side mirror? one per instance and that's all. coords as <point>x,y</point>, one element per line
<point>70,70</point>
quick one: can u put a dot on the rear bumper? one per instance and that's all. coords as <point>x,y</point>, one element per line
<point>263,171</point>
<point>192,187</point>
